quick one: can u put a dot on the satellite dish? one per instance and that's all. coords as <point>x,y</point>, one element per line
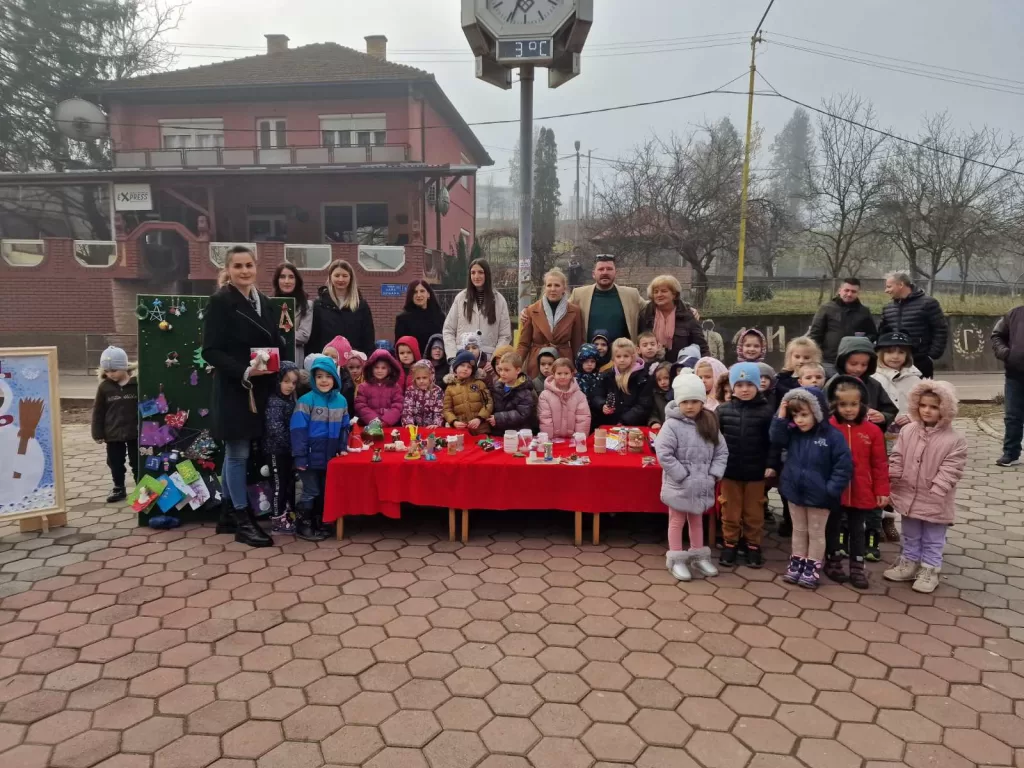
<point>80,120</point>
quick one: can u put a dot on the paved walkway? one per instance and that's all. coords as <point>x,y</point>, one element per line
<point>128,648</point>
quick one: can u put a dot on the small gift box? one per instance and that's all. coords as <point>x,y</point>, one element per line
<point>265,359</point>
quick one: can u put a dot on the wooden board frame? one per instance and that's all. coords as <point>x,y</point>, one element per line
<point>55,515</point>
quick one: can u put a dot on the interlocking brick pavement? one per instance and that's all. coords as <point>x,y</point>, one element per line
<point>130,648</point>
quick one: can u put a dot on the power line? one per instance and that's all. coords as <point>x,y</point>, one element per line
<point>763,17</point>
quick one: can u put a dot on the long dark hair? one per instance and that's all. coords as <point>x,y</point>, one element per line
<point>707,426</point>
<point>299,294</point>
<point>433,307</point>
<point>472,293</point>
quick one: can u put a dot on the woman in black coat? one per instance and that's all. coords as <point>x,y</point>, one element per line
<point>421,317</point>
<point>340,310</point>
<point>237,319</point>
<point>671,319</point>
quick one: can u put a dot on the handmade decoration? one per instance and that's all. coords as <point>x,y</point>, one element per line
<point>155,435</point>
<point>413,430</point>
<point>285,323</point>
<point>200,493</point>
<point>396,435</point>
<point>202,447</point>
<point>193,378</point>
<point>259,498</point>
<point>265,359</point>
<point>147,490</point>
<point>172,360</point>
<point>152,464</point>
<point>374,430</point>
<point>413,453</point>
<point>204,412</point>
<point>396,447</point>
<point>176,420</point>
<point>487,444</point>
<point>377,456</point>
<point>161,401</point>
<point>636,441</point>
<point>165,326</point>
<point>170,496</point>
<point>648,461</point>
<point>187,471</point>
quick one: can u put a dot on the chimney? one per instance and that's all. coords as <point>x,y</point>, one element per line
<point>277,43</point>
<point>377,46</point>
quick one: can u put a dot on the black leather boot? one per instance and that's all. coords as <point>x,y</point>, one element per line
<point>247,531</point>
<point>226,521</point>
<point>306,527</point>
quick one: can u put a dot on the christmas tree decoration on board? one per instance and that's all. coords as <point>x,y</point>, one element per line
<point>153,313</point>
<point>285,323</point>
<point>165,326</point>
<point>172,360</point>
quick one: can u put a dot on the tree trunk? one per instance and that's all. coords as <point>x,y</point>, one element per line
<point>700,287</point>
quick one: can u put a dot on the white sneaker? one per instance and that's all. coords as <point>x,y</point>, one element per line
<point>904,570</point>
<point>927,580</point>
<point>676,563</point>
<point>701,559</point>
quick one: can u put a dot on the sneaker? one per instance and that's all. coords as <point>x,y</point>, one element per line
<point>117,493</point>
<point>796,567</point>
<point>835,569</point>
<point>871,553</point>
<point>728,556</point>
<point>811,574</point>
<point>755,558</point>
<point>858,576</point>
<point>701,560</point>
<point>843,549</point>
<point>889,530</point>
<point>904,570</point>
<point>927,580</point>
<point>1007,461</point>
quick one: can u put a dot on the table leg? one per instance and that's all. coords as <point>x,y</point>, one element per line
<point>578,536</point>
<point>597,528</point>
<point>340,534</point>
<point>465,526</point>
<point>451,523</point>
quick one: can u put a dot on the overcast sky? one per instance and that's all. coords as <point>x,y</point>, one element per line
<point>634,53</point>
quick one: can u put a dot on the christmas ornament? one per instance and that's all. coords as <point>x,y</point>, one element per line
<point>285,323</point>
<point>172,360</point>
<point>193,378</point>
<point>176,420</point>
<point>165,326</point>
<point>202,447</point>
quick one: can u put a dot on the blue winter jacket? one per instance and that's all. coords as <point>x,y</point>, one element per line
<point>818,464</point>
<point>320,423</point>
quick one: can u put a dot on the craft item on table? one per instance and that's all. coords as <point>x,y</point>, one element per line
<point>377,455</point>
<point>510,441</point>
<point>396,447</point>
<point>525,438</point>
<point>549,451</point>
<point>649,461</point>
<point>265,359</point>
<point>188,471</point>
<point>487,444</point>
<point>170,496</point>
<point>460,441</point>
<point>193,378</point>
<point>285,323</point>
<point>374,430</point>
<point>453,448</point>
<point>579,440</point>
<point>396,435</point>
<point>413,454</point>
<point>540,461</point>
<point>177,419</point>
<point>575,460</point>
<point>172,360</point>
<point>165,326</point>
<point>163,522</point>
<point>152,464</point>
<point>413,431</point>
<point>204,412</point>
<point>636,441</point>
<point>147,490</point>
<point>156,435</point>
<point>431,443</point>
<point>600,441</point>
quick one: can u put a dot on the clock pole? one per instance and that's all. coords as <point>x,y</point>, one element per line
<point>525,186</point>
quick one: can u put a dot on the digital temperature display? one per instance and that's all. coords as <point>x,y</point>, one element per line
<point>529,49</point>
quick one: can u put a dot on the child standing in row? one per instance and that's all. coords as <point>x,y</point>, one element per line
<point>436,355</point>
<point>277,447</point>
<point>925,467</point>
<point>661,393</point>
<point>751,346</point>
<point>115,418</point>
<point>622,396</point>
<point>380,396</point>
<point>467,400</point>
<point>407,351</point>
<point>545,362</point>
<point>563,409</point>
<point>354,366</point>
<point>693,456</point>
<point>817,471</point>
<point>709,370</point>
<point>648,349</point>
<point>424,400</point>
<point>512,394</point>
<point>587,376</point>
<point>800,351</point>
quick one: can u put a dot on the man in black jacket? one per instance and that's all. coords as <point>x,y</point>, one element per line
<point>843,316</point>
<point>917,315</point>
<point>1008,344</point>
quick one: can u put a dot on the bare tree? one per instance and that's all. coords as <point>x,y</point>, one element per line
<point>770,228</point>
<point>847,184</point>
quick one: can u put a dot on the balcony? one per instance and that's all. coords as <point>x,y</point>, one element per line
<point>250,157</point>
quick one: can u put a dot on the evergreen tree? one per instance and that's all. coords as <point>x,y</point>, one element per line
<point>792,153</point>
<point>458,266</point>
<point>546,201</point>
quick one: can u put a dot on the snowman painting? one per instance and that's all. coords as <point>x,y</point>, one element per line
<point>26,464</point>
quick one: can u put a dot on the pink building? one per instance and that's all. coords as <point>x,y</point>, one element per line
<point>310,153</point>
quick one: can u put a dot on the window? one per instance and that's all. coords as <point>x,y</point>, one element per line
<point>309,257</point>
<point>464,181</point>
<point>365,223</point>
<point>23,253</point>
<point>353,130</point>
<point>271,133</point>
<point>95,253</point>
<point>192,133</point>
<point>268,227</point>
<point>219,251</point>
<point>381,258</point>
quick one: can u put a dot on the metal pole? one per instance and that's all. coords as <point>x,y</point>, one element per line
<point>589,151</point>
<point>576,237</point>
<point>525,186</point>
<point>746,175</point>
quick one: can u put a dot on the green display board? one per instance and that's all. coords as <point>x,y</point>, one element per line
<point>175,386</point>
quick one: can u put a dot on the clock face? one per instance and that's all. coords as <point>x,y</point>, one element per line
<point>525,11</point>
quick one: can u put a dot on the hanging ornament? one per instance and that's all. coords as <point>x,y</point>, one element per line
<point>204,412</point>
<point>202,448</point>
<point>161,401</point>
<point>197,360</point>
<point>193,378</point>
<point>285,324</point>
<point>173,310</point>
<point>165,326</point>
<point>172,359</point>
<point>176,420</point>
<point>142,312</point>
<point>157,312</point>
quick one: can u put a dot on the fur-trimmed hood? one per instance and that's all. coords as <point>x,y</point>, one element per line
<point>814,398</point>
<point>944,391</point>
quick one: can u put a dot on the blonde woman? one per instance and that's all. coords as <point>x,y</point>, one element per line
<point>340,310</point>
<point>550,321</point>
<point>622,395</point>
<point>671,319</point>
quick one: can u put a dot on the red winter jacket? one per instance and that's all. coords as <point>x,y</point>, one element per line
<point>870,465</point>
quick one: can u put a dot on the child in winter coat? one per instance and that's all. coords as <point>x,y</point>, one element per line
<point>424,400</point>
<point>869,488</point>
<point>587,376</point>
<point>818,469</point>
<point>622,396</point>
<point>545,362</point>
<point>811,375</point>
<point>339,350</point>
<point>709,370</point>
<point>407,352</point>
<point>277,447</point>
<point>354,366</point>
<point>515,402</point>
<point>563,409</point>
<point>751,346</point>
<point>661,393</point>
<point>649,350</point>
<point>319,432</point>
<point>115,418</point>
<point>693,456</point>
<point>799,352</point>
<point>600,340</point>
<point>467,400</point>
<point>380,396</point>
<point>925,467</point>
<point>744,420</point>
<point>898,376</point>
<point>435,354</point>
<point>767,380</point>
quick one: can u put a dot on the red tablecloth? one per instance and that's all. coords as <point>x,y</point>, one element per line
<point>477,479</point>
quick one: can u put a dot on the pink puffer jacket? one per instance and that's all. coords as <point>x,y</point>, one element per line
<point>927,462</point>
<point>563,413</point>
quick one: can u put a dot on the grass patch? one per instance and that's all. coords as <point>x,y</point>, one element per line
<point>722,302</point>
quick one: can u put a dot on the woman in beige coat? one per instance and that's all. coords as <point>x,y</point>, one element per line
<point>551,321</point>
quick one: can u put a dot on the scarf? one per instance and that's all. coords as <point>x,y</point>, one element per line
<point>665,327</point>
<point>560,311</point>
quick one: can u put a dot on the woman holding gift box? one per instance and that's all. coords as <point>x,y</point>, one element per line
<point>238,320</point>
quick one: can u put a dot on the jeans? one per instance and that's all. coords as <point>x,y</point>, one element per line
<point>923,542</point>
<point>677,521</point>
<point>855,531</point>
<point>808,531</point>
<point>1013,418</point>
<point>116,453</point>
<point>312,486</point>
<point>236,457</point>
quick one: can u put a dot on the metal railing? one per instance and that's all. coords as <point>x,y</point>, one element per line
<point>229,157</point>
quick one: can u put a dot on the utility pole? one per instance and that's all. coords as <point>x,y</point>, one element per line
<point>745,184</point>
<point>525,186</point>
<point>576,237</point>
<point>589,152</point>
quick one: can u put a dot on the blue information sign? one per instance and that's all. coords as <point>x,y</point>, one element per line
<point>392,289</point>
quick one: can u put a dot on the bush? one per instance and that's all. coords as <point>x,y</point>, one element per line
<point>759,292</point>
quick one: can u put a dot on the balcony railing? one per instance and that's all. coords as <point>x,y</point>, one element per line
<point>235,157</point>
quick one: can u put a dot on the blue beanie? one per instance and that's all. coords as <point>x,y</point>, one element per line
<point>463,356</point>
<point>745,372</point>
<point>113,359</point>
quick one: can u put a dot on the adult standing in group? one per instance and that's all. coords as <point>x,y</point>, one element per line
<point>605,305</point>
<point>421,317</point>
<point>551,321</point>
<point>671,319</point>
<point>919,316</point>
<point>478,309</point>
<point>239,318</point>
<point>288,285</point>
<point>1008,344</point>
<point>340,310</point>
<point>843,316</point>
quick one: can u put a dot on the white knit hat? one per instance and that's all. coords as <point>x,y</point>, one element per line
<point>114,359</point>
<point>688,386</point>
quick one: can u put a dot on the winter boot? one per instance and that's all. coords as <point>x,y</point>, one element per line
<point>305,526</point>
<point>927,580</point>
<point>283,524</point>
<point>844,543</point>
<point>811,574</point>
<point>755,558</point>
<point>117,493</point>
<point>871,541</point>
<point>889,530</point>
<point>728,557</point>
<point>796,567</point>
<point>858,575</point>
<point>226,521</point>
<point>701,560</point>
<point>904,570</point>
<point>248,531</point>
<point>835,568</point>
<point>677,563</point>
